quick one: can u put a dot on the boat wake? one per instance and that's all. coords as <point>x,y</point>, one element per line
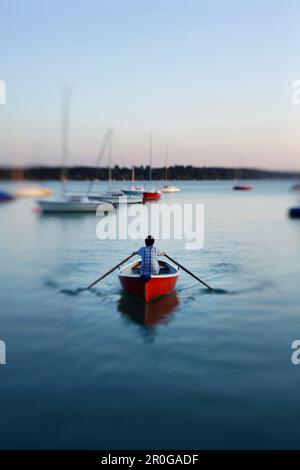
<point>50,283</point>
<point>258,287</point>
<point>72,291</point>
<point>105,296</point>
<point>202,290</point>
<point>224,268</point>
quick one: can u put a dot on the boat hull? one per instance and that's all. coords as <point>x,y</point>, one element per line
<point>133,192</point>
<point>294,212</point>
<point>152,195</point>
<point>5,197</point>
<point>52,206</point>
<point>158,286</point>
<point>122,198</point>
<point>170,189</point>
<point>242,188</point>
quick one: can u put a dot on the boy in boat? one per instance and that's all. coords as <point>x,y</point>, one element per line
<point>149,255</point>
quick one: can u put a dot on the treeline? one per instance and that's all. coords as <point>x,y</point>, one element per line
<point>177,172</point>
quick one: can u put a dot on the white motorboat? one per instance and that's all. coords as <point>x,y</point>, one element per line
<point>169,189</point>
<point>75,204</point>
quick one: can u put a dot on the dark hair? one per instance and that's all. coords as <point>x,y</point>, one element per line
<point>149,241</point>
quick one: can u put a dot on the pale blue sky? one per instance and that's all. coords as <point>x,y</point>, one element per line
<point>212,79</point>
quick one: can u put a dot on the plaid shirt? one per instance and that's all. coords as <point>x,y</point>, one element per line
<point>149,256</point>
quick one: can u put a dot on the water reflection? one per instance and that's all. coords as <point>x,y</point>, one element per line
<point>148,314</point>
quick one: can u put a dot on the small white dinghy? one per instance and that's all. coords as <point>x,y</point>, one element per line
<point>75,204</point>
<point>170,189</point>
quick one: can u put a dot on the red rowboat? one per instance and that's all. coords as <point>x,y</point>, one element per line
<point>152,195</point>
<point>159,284</point>
<point>242,188</point>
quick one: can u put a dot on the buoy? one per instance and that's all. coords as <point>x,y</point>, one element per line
<point>294,212</point>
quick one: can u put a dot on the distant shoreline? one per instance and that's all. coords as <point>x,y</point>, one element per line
<point>177,172</point>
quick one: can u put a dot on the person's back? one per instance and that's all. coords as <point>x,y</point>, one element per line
<point>149,255</point>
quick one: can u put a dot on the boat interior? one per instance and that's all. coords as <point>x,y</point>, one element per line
<point>164,268</point>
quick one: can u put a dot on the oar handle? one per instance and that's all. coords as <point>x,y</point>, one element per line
<point>189,272</point>
<point>110,271</point>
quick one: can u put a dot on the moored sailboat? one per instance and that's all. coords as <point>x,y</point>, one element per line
<point>168,188</point>
<point>151,194</point>
<point>71,203</point>
<point>133,190</point>
<point>68,202</point>
<point>239,186</point>
<point>115,197</point>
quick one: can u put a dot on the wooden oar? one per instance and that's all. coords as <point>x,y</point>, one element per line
<point>110,271</point>
<point>189,272</point>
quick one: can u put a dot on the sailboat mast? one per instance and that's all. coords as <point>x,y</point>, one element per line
<point>65,125</point>
<point>150,157</point>
<point>110,161</point>
<point>166,159</point>
<point>105,142</point>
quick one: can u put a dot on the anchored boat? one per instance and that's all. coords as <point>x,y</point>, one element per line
<point>133,190</point>
<point>75,203</point>
<point>159,285</point>
<point>294,212</point>
<point>119,197</point>
<point>239,187</point>
<point>4,196</point>
<point>152,195</point>
<point>169,189</point>
<point>296,187</point>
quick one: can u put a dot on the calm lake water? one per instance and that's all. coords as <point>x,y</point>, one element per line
<point>194,370</point>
